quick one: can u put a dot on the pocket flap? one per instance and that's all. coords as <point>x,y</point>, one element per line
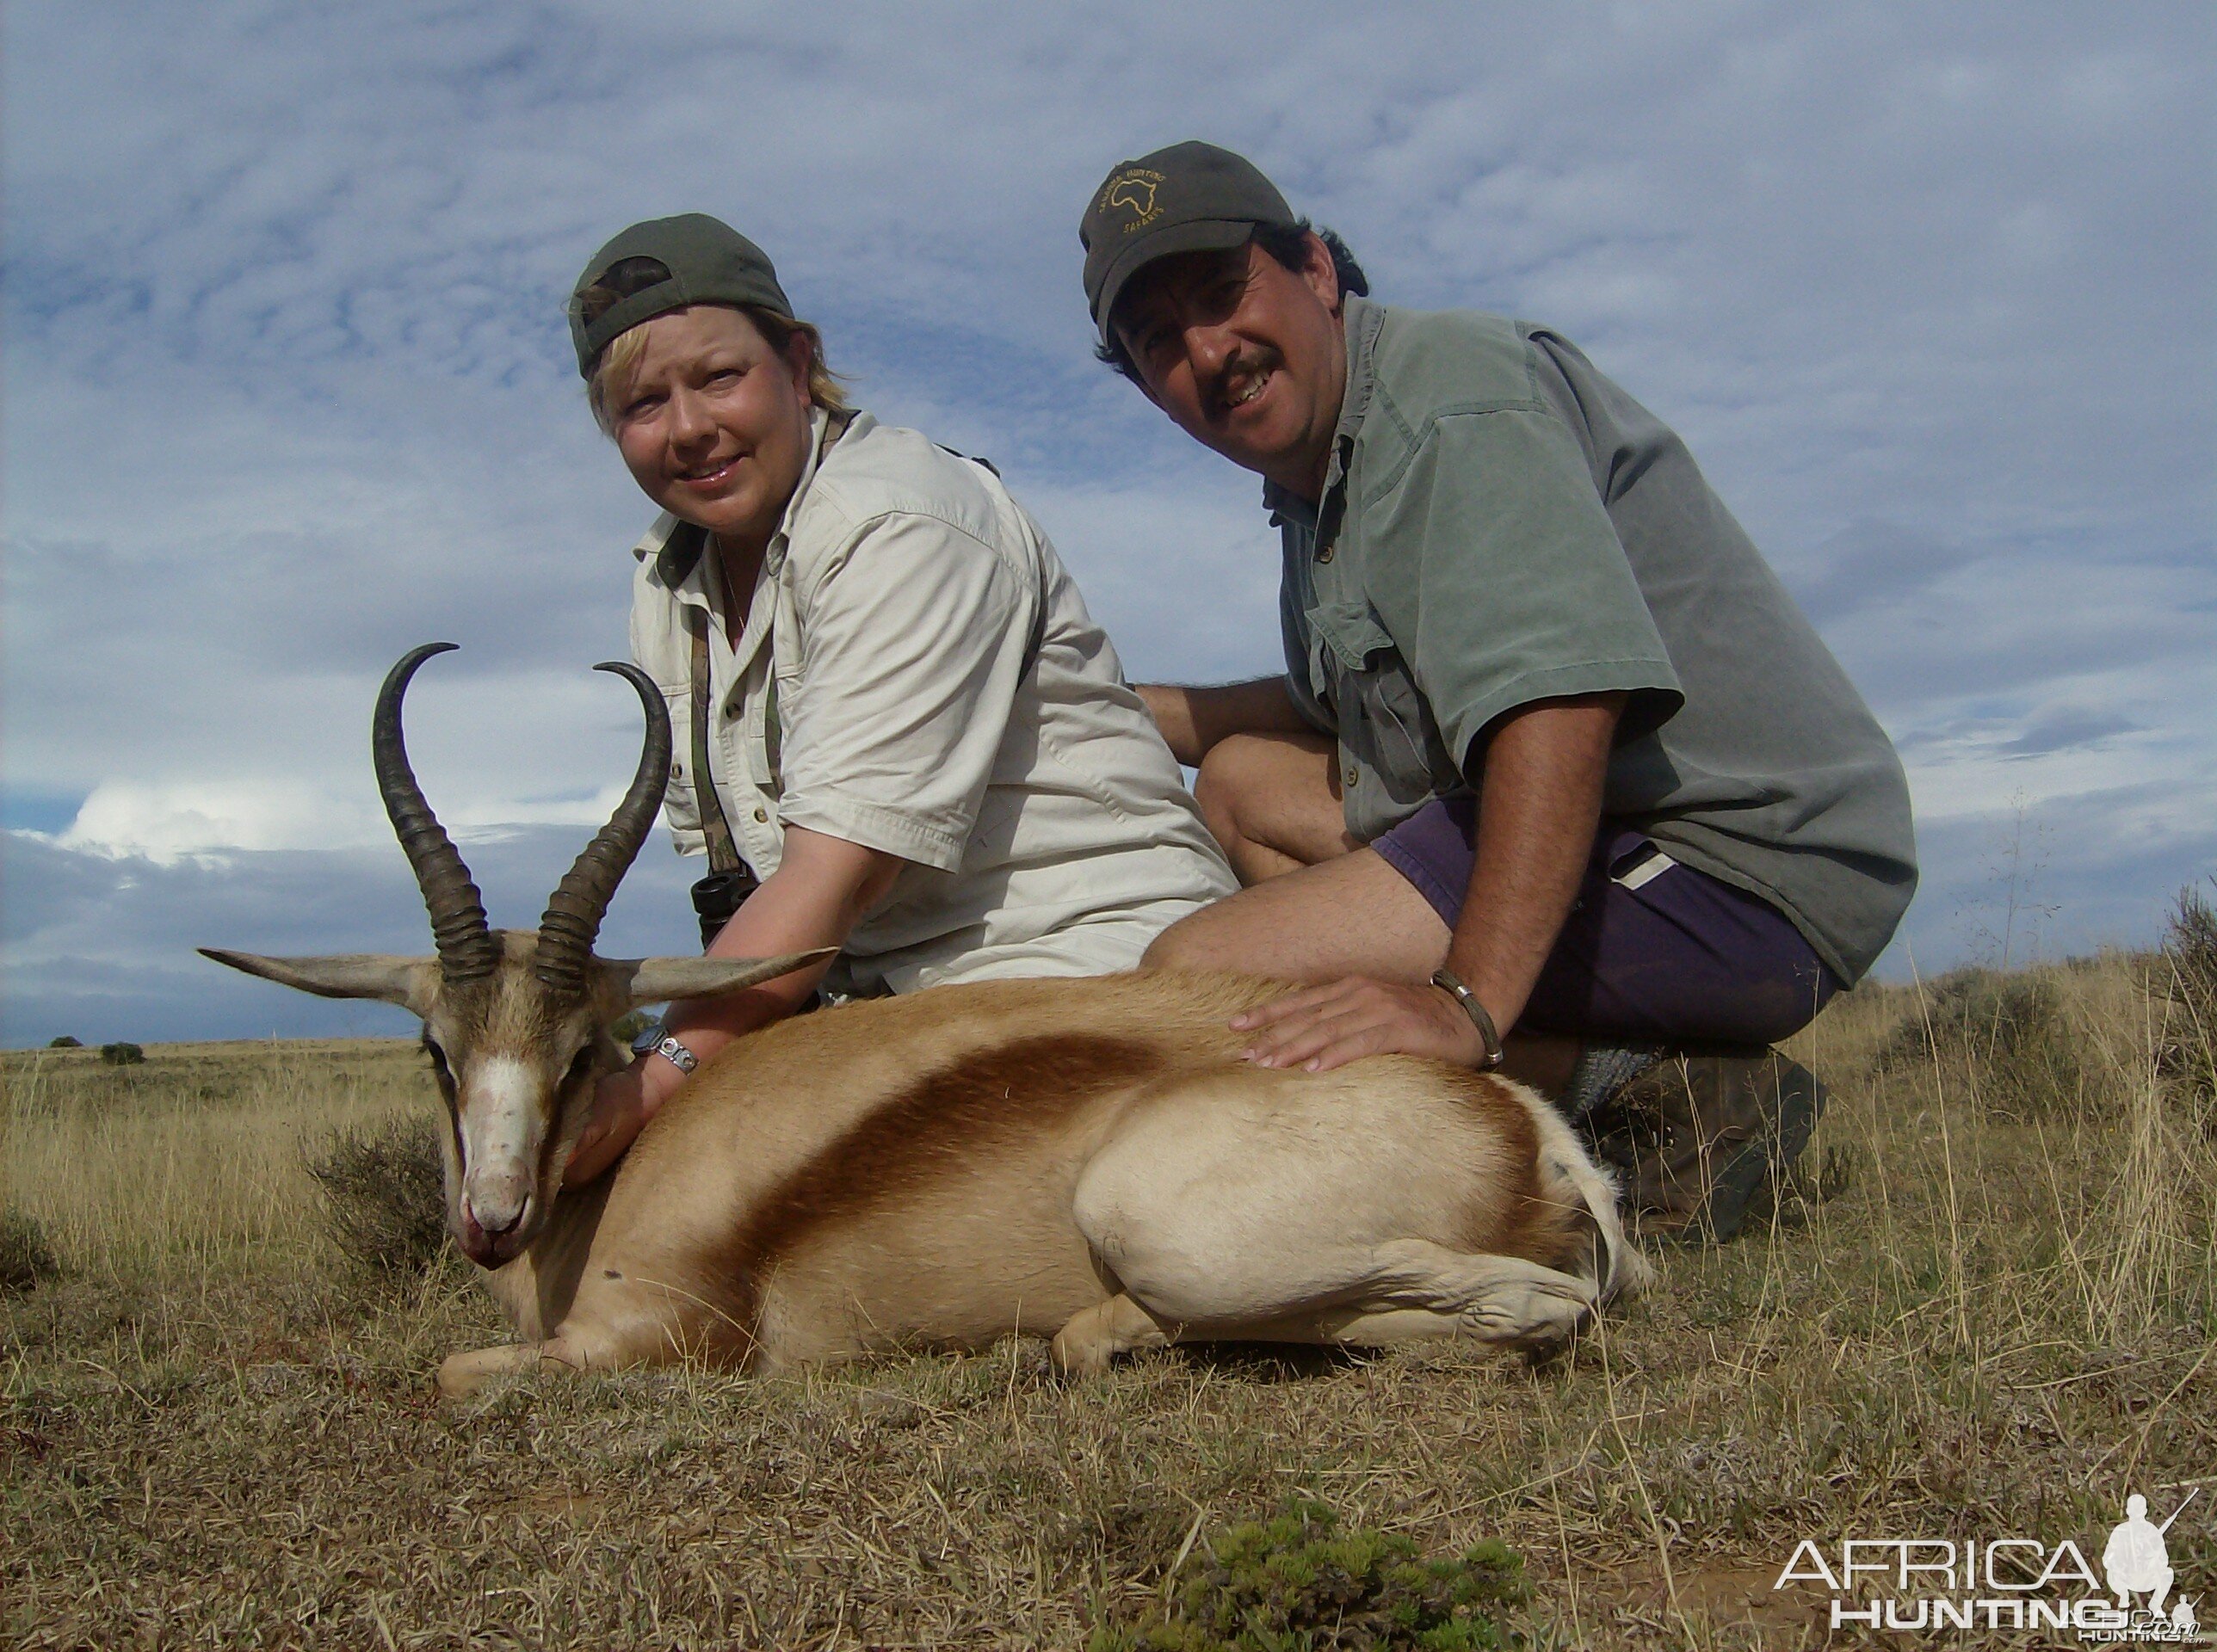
<point>1351,631</point>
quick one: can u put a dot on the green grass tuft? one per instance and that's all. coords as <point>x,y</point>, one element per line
<point>1300,1582</point>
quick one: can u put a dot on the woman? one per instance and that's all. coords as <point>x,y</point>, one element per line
<point>917,737</point>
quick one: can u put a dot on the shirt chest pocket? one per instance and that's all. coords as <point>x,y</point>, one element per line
<point>1385,724</point>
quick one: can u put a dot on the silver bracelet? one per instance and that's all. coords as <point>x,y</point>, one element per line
<point>1452,984</point>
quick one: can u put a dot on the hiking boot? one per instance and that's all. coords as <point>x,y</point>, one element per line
<point>1704,1140</point>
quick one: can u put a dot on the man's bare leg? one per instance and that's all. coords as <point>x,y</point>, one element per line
<point>1318,905</point>
<point>1273,802</point>
<point>1352,915</point>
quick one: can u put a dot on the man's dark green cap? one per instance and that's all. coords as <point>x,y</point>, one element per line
<point>1191,197</point>
<point>703,261</point>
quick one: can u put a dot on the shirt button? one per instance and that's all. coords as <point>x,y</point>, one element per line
<point>1354,774</point>
<point>761,817</point>
<point>1324,555</point>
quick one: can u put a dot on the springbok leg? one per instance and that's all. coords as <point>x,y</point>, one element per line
<point>1099,1333</point>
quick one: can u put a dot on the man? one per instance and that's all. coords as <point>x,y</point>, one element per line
<point>1555,754</point>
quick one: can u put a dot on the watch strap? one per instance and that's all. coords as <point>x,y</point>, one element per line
<point>672,1049</point>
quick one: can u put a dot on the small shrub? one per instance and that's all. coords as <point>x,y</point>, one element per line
<point>2006,1034</point>
<point>1300,1580</point>
<point>2189,1050</point>
<point>122,1055</point>
<point>65,1042</point>
<point>629,1026</point>
<point>26,1260</point>
<point>384,1196</point>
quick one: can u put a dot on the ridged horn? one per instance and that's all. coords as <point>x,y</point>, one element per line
<point>581,900</point>
<point>467,950</point>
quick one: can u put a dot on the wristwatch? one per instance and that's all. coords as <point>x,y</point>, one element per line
<point>656,1039</point>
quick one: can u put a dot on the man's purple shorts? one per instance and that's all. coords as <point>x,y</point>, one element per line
<point>1653,951</point>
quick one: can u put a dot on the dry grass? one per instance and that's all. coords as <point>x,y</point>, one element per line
<point>191,1161</point>
<point>213,1435</point>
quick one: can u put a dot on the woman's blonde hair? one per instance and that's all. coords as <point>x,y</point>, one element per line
<point>825,388</point>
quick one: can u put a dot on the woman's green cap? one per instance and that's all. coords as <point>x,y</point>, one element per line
<point>703,261</point>
<point>1191,197</point>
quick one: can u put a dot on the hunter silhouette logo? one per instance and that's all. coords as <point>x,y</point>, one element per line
<point>1135,191</point>
<point>2137,1561</point>
<point>1925,1585</point>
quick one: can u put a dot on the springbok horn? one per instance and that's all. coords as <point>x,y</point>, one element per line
<point>581,900</point>
<point>466,948</point>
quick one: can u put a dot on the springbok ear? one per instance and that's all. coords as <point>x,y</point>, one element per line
<point>657,980</point>
<point>403,981</point>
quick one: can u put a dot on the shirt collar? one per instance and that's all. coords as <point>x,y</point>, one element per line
<point>1360,319</point>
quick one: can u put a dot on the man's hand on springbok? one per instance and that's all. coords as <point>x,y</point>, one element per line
<point>1318,1028</point>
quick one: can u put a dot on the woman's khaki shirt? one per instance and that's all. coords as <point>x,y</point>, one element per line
<point>941,694</point>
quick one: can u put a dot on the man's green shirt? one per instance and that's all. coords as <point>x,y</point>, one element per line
<point>1501,524</point>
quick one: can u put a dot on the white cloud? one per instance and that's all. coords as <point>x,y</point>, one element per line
<point>166,823</point>
<point>1928,291</point>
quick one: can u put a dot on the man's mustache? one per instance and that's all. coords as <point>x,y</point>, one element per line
<point>1242,370</point>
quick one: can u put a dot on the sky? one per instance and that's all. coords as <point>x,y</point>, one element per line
<point>287,390</point>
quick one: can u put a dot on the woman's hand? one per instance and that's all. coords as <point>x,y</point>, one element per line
<point>1319,1028</point>
<point>622,1106</point>
<point>819,892</point>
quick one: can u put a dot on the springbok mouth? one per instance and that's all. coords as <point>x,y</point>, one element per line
<point>493,1249</point>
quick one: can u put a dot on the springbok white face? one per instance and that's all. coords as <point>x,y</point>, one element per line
<point>514,1020</point>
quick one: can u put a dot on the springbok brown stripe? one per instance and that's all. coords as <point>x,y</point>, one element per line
<point>940,1125</point>
<point>1532,1222</point>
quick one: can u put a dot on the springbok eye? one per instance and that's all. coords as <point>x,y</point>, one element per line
<point>582,1068</point>
<point>438,1058</point>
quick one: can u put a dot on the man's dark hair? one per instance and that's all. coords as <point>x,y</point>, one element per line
<point>1286,242</point>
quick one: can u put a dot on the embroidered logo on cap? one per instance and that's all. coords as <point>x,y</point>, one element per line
<point>1133,191</point>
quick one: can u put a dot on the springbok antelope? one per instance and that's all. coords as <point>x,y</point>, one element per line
<point>1086,1157</point>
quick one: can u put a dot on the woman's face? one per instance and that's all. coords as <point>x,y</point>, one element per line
<point>714,423</point>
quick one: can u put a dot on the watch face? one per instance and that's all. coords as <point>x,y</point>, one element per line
<point>647,1037</point>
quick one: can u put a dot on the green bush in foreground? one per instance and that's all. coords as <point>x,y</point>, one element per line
<point>26,1259</point>
<point>1298,1583</point>
<point>122,1055</point>
<point>384,1196</point>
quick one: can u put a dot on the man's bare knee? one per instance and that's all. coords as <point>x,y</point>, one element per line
<point>1216,791</point>
<point>1268,799</point>
<point>1232,771</point>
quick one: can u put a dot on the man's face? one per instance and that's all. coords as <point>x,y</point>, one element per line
<point>1246,356</point>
